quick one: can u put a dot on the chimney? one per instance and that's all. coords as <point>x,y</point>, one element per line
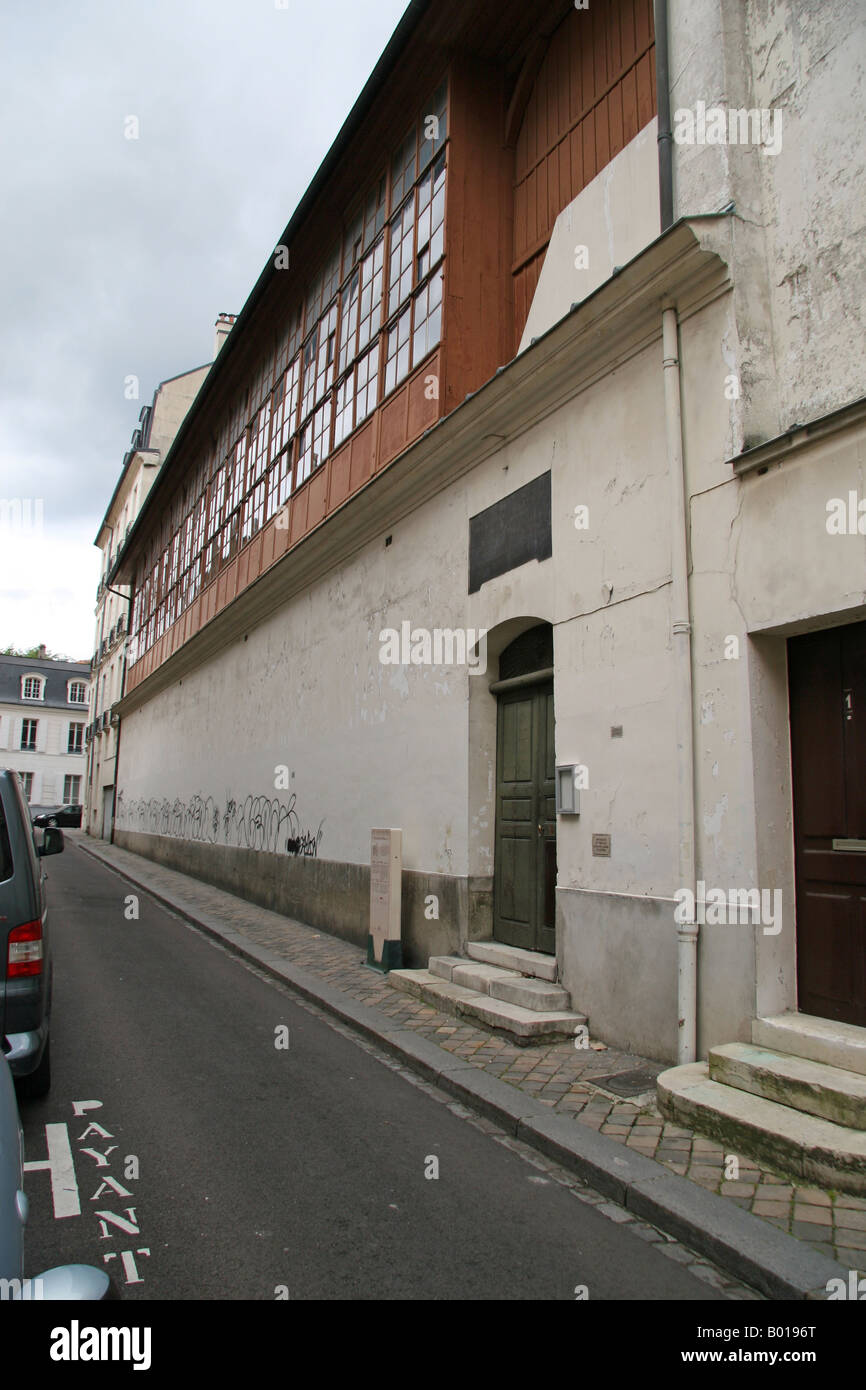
<point>222,329</point>
<point>42,656</point>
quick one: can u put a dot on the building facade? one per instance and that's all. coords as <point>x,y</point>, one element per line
<point>518,479</point>
<point>43,718</point>
<point>151,440</point>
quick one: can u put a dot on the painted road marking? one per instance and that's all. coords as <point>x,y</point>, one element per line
<point>129,1267</point>
<point>80,1107</point>
<point>64,1188</point>
<point>128,1226</point>
<point>101,1159</point>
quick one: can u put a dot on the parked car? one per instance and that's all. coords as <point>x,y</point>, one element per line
<point>64,1282</point>
<point>61,815</point>
<point>25,954</point>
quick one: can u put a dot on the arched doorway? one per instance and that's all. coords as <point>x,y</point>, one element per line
<point>524,881</point>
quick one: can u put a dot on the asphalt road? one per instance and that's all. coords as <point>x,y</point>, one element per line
<point>248,1171</point>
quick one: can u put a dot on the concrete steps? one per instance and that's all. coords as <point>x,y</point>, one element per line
<point>510,990</point>
<point>501,984</point>
<point>818,1039</point>
<point>532,963</point>
<point>828,1092</point>
<point>814,1149</point>
<point>795,1098</point>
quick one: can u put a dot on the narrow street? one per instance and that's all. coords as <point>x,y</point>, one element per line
<point>267,1172</point>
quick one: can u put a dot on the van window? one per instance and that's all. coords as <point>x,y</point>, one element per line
<point>5,847</point>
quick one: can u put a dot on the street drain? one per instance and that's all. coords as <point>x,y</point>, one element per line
<point>627,1083</point>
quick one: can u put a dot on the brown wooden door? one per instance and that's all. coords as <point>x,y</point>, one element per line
<point>827,683</point>
<point>524,893</point>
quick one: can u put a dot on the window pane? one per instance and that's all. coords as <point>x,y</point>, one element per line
<point>368,383</point>
<point>397,363</point>
<point>400,268</point>
<point>403,169</point>
<point>343,420</point>
<point>372,283</point>
<point>349,321</point>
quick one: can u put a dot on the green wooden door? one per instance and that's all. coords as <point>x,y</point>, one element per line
<point>524,894</point>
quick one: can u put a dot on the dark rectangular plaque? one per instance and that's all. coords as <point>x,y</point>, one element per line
<point>510,533</point>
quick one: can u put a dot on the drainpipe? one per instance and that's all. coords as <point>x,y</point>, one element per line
<point>665,137</point>
<point>128,598</point>
<point>681,629</point>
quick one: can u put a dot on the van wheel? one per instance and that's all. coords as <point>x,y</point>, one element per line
<point>38,1083</point>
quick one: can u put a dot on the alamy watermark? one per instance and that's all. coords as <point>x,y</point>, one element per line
<point>846,518</point>
<point>21,516</point>
<point>438,646</point>
<point>714,907</point>
<point>721,125</point>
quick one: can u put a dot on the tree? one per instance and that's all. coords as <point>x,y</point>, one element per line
<point>36,654</point>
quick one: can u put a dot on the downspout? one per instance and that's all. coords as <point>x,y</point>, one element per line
<point>681,639</point>
<point>681,628</point>
<point>665,138</point>
<point>128,598</point>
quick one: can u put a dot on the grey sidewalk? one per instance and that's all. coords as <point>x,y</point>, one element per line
<point>763,1227</point>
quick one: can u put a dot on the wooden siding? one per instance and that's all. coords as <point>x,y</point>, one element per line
<point>477,314</point>
<point>595,89</point>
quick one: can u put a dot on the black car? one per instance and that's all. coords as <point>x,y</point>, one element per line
<point>63,815</point>
<point>25,957</point>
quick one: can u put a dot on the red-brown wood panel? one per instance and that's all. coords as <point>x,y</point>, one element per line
<point>364,456</point>
<point>256,566</point>
<point>479,228</point>
<point>318,490</point>
<point>243,568</point>
<point>268,535</point>
<point>594,90</point>
<point>340,476</point>
<point>298,521</point>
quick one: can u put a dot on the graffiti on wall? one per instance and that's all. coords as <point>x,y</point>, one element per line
<point>257,822</point>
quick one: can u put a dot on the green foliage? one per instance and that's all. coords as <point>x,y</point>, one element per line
<point>35,654</point>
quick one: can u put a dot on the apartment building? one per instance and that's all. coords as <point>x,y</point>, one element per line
<point>43,717</point>
<point>158,424</point>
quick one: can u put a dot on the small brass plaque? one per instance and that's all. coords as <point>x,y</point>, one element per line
<point>601,846</point>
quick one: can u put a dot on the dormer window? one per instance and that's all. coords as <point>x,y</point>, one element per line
<point>77,693</point>
<point>32,687</point>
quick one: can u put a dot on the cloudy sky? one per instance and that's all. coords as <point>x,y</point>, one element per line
<point>117,254</point>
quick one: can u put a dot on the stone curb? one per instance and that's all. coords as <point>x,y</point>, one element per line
<point>773,1262</point>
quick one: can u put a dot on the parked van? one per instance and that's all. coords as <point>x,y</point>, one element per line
<point>25,956</point>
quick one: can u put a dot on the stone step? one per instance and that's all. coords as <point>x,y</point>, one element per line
<point>533,963</point>
<point>521,1025</point>
<point>821,1153</point>
<point>828,1092</point>
<point>818,1039</point>
<point>474,974</point>
<point>443,965</point>
<point>531,994</point>
<point>501,984</point>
